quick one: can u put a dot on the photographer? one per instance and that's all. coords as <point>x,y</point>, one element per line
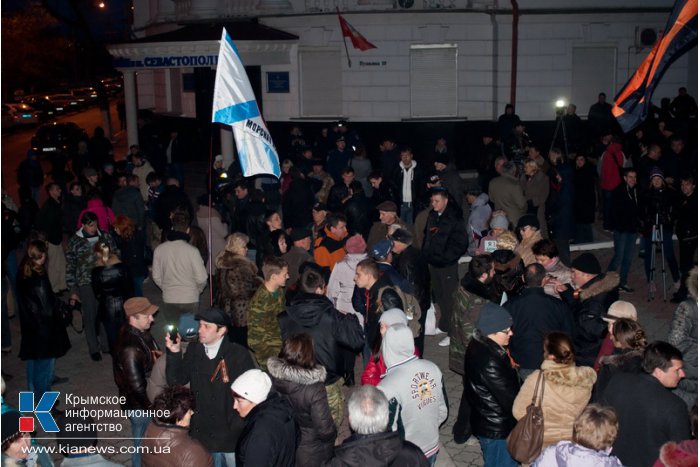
<point>657,219</point>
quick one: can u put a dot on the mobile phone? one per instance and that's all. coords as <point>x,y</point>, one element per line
<point>172,332</point>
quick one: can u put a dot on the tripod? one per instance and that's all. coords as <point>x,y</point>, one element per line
<point>560,126</point>
<point>657,240</point>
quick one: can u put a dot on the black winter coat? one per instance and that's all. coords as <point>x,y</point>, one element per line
<point>297,203</point>
<point>687,214</point>
<point>625,209</point>
<point>622,361</point>
<point>584,194</point>
<point>560,205</point>
<point>48,220</point>
<point>658,201</point>
<point>330,330</point>
<point>43,331</point>
<point>133,253</point>
<point>305,391</point>
<point>595,297</point>
<point>534,315</point>
<point>129,202</point>
<point>417,183</point>
<point>358,215</point>
<point>215,424</point>
<point>72,207</point>
<point>269,437</point>
<point>411,265</point>
<point>134,355</point>
<point>491,385</point>
<point>378,450</point>
<point>112,286</point>
<point>649,416</point>
<point>446,238</point>
<point>171,198</point>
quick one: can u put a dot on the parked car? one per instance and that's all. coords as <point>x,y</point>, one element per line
<point>26,114</point>
<point>9,117</point>
<point>86,96</point>
<point>64,102</point>
<point>58,137</point>
<point>42,103</point>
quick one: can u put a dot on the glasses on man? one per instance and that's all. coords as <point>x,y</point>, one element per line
<point>506,331</point>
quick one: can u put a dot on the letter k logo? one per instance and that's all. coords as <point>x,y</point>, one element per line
<point>42,411</point>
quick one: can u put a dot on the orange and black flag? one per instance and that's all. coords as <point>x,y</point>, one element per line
<point>679,36</point>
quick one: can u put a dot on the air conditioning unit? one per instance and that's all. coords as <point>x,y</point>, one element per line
<point>645,37</point>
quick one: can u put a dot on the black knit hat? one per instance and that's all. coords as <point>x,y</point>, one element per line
<point>528,220</point>
<point>587,263</point>
<point>10,425</point>
<point>493,318</point>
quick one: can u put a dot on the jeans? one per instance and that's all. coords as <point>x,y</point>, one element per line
<point>40,376</point>
<point>624,243</point>
<point>444,282</point>
<point>432,459</point>
<point>138,429</point>
<point>138,286</point>
<point>667,245</point>
<point>496,453</point>
<point>95,334</point>
<point>224,459</point>
<point>607,205</point>
<point>406,213</point>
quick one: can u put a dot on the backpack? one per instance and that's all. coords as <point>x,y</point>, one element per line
<point>410,306</point>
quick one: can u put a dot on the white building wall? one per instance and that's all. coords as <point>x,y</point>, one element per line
<point>382,93</point>
<point>545,60</point>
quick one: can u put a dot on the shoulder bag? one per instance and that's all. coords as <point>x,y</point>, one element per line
<point>525,441</point>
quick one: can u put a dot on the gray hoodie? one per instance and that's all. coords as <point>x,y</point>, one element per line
<point>414,389</point>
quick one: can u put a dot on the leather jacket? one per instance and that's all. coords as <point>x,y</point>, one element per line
<point>112,286</point>
<point>184,451</point>
<point>134,355</point>
<point>491,384</point>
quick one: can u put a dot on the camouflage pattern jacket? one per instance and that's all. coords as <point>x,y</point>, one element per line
<point>470,297</point>
<point>80,258</point>
<point>264,337</point>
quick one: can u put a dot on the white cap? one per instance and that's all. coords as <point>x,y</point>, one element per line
<point>620,309</point>
<point>253,385</point>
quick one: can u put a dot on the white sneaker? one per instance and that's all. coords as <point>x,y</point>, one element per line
<point>444,342</point>
<point>439,331</point>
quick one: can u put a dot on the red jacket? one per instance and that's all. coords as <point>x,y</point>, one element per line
<point>376,368</point>
<point>613,159</point>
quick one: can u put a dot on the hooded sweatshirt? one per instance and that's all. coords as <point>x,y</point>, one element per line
<point>414,389</point>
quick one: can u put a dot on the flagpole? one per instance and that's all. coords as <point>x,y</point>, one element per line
<point>345,43</point>
<point>211,169</point>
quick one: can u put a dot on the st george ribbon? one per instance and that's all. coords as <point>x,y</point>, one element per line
<point>235,105</point>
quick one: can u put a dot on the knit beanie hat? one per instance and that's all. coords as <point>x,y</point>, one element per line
<point>587,263</point>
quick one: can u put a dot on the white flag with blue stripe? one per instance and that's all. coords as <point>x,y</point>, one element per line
<point>235,105</point>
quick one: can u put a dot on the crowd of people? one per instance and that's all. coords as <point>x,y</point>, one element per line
<point>339,263</point>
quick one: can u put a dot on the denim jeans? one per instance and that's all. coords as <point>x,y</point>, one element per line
<point>607,205</point>
<point>224,459</point>
<point>138,429</point>
<point>138,286</point>
<point>667,246</point>
<point>406,213</point>
<point>496,453</point>
<point>624,243</point>
<point>432,459</point>
<point>40,376</point>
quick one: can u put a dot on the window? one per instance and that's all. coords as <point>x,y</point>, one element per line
<point>321,83</point>
<point>434,80</point>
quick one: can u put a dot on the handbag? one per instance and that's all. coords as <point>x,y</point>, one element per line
<point>524,443</point>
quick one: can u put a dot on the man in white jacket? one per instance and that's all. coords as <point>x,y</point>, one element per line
<point>415,391</point>
<point>178,269</point>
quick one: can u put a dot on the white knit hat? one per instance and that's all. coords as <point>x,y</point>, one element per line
<point>253,385</point>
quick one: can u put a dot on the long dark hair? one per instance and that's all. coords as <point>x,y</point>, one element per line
<point>298,350</point>
<point>35,250</point>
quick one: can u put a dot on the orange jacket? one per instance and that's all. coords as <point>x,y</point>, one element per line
<point>329,250</point>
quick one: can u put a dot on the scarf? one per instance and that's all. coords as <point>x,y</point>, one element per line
<point>406,192</point>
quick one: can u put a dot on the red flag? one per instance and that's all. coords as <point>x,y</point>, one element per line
<point>680,35</point>
<point>358,40</point>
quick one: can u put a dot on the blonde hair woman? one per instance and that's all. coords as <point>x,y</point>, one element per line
<point>235,282</point>
<point>567,389</point>
<point>112,285</point>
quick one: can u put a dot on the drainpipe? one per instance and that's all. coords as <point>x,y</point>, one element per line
<point>514,52</point>
<point>494,67</point>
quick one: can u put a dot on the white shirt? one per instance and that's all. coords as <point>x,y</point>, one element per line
<point>212,349</point>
